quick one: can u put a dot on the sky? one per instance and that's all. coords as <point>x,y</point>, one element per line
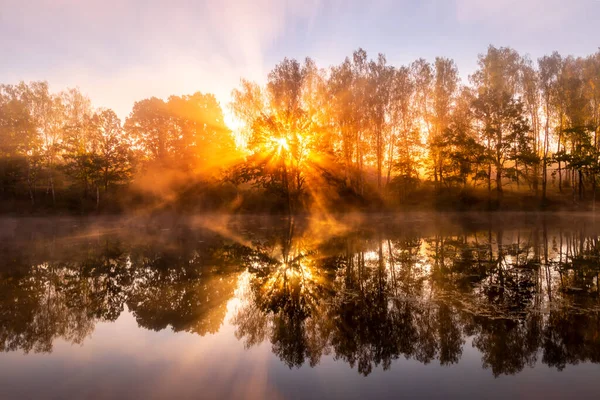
<point>121,51</point>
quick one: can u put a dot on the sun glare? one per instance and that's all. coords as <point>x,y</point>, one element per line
<point>281,144</point>
<point>236,127</point>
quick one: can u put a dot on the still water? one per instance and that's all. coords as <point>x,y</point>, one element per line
<point>378,306</point>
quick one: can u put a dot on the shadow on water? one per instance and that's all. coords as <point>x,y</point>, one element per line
<point>522,291</point>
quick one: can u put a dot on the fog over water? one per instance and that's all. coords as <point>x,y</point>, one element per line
<point>378,305</point>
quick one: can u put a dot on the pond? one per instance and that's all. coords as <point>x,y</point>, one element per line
<point>355,306</point>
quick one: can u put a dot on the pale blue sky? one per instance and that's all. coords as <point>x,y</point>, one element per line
<point>119,51</point>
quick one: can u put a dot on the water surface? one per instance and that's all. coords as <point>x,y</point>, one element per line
<point>386,306</point>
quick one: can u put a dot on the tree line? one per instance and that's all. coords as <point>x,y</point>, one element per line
<point>361,132</point>
<point>57,142</point>
<point>386,130</point>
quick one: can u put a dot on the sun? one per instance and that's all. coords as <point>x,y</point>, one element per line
<point>281,144</point>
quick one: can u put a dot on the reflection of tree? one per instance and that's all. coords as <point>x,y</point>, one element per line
<point>385,311</point>
<point>45,300</point>
<point>365,297</point>
<point>26,314</point>
<point>364,305</point>
<point>367,331</point>
<point>282,301</point>
<point>180,287</point>
<point>60,288</point>
<point>504,345</point>
<point>377,300</point>
<point>571,338</point>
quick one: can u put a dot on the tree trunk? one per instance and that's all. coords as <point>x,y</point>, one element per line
<point>489,179</point>
<point>558,151</point>
<point>517,173</point>
<point>594,192</point>
<point>440,168</point>
<point>580,186</point>
<point>545,161</point>
<point>499,181</point>
<point>594,171</point>
<point>390,160</point>
<point>489,175</point>
<point>53,192</point>
<point>30,184</point>
<point>573,185</point>
<point>286,186</point>
<point>379,159</point>
<point>50,189</point>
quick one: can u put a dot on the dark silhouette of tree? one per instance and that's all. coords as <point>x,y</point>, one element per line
<point>524,293</point>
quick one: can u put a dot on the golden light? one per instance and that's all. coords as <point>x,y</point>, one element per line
<point>281,143</point>
<point>297,270</point>
<point>237,127</point>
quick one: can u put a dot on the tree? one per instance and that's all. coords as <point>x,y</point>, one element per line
<point>444,92</point>
<point>187,132</point>
<point>591,77</point>
<point>77,144</point>
<point>112,153</point>
<point>579,149</point>
<point>500,111</point>
<point>504,129</point>
<point>466,155</point>
<point>423,76</point>
<point>281,134</point>
<point>48,112</point>
<point>20,146</point>
<point>532,102</point>
<point>149,125</point>
<point>341,98</point>
<point>403,139</point>
<point>380,77</point>
<point>549,71</point>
